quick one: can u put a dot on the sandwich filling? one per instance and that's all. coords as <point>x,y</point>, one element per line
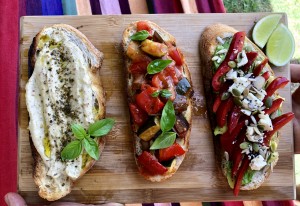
<point>247,109</point>
<point>58,94</point>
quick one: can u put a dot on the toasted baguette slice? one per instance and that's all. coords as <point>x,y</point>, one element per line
<point>167,39</point>
<point>64,88</point>
<point>208,44</point>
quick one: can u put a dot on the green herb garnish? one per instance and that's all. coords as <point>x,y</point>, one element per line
<point>168,117</point>
<point>140,35</point>
<point>163,93</point>
<point>84,139</point>
<point>164,140</point>
<point>157,65</point>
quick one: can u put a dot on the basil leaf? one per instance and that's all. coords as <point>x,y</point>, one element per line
<point>72,150</point>
<point>155,94</point>
<point>101,127</point>
<point>78,131</point>
<point>140,35</point>
<point>165,93</point>
<point>91,147</point>
<point>168,118</point>
<point>164,140</point>
<point>157,65</point>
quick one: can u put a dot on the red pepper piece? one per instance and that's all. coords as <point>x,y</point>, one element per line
<point>275,105</point>
<point>139,67</point>
<point>236,46</point>
<point>278,123</point>
<point>277,83</point>
<point>240,175</point>
<point>228,138</point>
<point>176,55</point>
<point>266,75</point>
<point>217,103</point>
<point>150,165</point>
<point>237,152</point>
<point>170,152</point>
<point>234,118</point>
<point>139,116</point>
<point>251,56</point>
<point>260,67</point>
<point>223,110</point>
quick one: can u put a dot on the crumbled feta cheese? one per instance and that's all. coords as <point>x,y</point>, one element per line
<point>258,163</point>
<point>220,40</point>
<point>265,122</point>
<point>240,83</point>
<point>246,112</point>
<point>254,102</point>
<point>231,74</point>
<point>243,59</point>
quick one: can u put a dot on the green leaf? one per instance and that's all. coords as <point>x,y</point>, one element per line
<point>140,35</point>
<point>157,65</point>
<point>168,117</point>
<point>72,150</point>
<point>91,147</point>
<point>164,140</point>
<point>155,94</point>
<point>101,127</point>
<point>248,176</point>
<point>165,93</point>
<point>78,131</point>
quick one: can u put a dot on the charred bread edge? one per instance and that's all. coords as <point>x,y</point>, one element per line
<point>130,30</point>
<point>97,88</point>
<point>208,44</point>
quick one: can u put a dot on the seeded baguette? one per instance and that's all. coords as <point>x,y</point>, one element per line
<point>129,31</point>
<point>208,44</point>
<point>55,188</point>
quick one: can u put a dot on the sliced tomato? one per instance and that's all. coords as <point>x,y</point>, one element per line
<point>276,84</point>
<point>236,46</point>
<point>165,79</point>
<point>150,165</point>
<point>251,56</point>
<point>275,105</point>
<point>176,55</point>
<point>151,105</point>
<point>223,111</point>
<point>139,116</point>
<point>278,123</point>
<point>143,25</point>
<point>234,118</point>
<point>259,68</point>
<point>170,152</point>
<point>238,182</point>
<point>139,67</point>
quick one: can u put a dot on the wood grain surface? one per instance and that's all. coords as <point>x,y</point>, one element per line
<point>114,177</point>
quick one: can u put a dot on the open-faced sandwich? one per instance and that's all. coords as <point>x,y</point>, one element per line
<point>159,91</point>
<point>64,95</point>
<point>243,105</point>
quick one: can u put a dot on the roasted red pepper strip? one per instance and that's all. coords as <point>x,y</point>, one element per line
<point>236,46</point>
<point>275,105</point>
<point>175,55</point>
<point>277,83</point>
<point>278,123</point>
<point>150,165</point>
<point>170,152</point>
<point>251,56</point>
<point>139,116</point>
<point>266,75</point>
<point>237,152</point>
<point>234,118</point>
<point>260,67</point>
<point>223,110</point>
<point>240,175</point>
<point>217,103</point>
<point>228,138</point>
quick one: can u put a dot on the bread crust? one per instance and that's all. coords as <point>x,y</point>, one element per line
<point>96,58</point>
<point>130,30</point>
<point>207,46</point>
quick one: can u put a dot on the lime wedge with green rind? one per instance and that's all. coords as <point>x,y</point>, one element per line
<point>280,46</point>
<point>264,28</point>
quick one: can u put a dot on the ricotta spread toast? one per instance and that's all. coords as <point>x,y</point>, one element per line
<point>159,89</point>
<point>64,88</point>
<point>245,108</point>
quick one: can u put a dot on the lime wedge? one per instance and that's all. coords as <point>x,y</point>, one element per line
<point>280,46</point>
<point>264,28</point>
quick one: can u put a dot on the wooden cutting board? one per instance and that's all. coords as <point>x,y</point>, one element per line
<point>114,177</point>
